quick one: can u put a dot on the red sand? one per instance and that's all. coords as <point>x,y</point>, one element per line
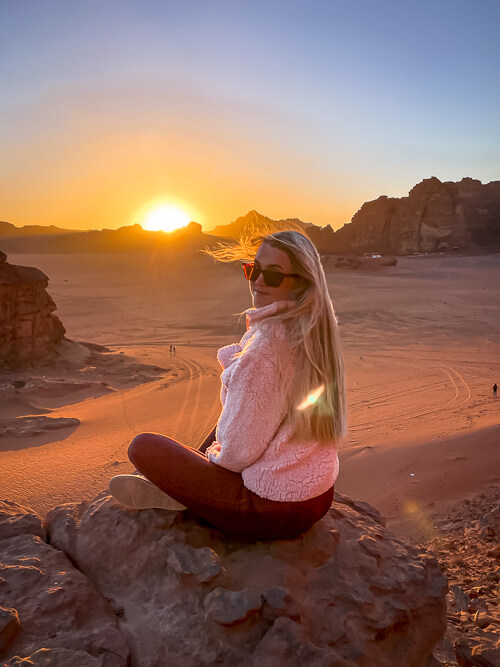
<point>422,350</point>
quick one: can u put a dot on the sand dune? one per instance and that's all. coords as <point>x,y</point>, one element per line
<point>422,349</point>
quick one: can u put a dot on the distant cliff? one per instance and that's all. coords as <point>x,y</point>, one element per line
<point>29,331</point>
<point>434,217</point>
<point>254,220</point>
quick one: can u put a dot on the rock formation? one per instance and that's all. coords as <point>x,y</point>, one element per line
<point>29,331</point>
<point>468,551</point>
<point>434,217</point>
<point>253,221</point>
<point>161,588</point>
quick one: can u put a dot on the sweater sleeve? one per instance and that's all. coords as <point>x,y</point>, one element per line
<point>252,413</point>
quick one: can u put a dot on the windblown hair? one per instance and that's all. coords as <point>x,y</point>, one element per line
<point>317,402</point>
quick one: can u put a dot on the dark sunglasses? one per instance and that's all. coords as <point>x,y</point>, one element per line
<point>271,278</point>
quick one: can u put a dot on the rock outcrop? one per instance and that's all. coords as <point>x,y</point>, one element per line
<point>468,551</point>
<point>29,331</point>
<point>434,217</point>
<point>173,591</point>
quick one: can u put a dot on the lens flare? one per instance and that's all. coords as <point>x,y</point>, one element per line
<point>312,398</point>
<point>414,511</point>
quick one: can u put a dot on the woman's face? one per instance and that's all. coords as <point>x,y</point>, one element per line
<point>268,257</point>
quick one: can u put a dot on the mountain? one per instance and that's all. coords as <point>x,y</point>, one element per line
<point>132,238</point>
<point>436,216</point>
<point>7,230</point>
<point>255,221</point>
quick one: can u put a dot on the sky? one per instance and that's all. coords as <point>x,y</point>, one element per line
<point>303,109</point>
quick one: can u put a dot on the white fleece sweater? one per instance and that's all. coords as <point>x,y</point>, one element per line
<point>252,436</point>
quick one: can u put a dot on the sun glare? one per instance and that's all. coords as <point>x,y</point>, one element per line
<point>165,219</point>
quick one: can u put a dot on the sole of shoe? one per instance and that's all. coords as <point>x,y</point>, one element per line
<point>139,493</point>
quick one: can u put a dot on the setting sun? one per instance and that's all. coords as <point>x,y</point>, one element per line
<point>165,219</point>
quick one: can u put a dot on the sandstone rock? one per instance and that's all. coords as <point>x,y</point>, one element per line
<point>29,331</point>
<point>29,426</point>
<point>491,522</point>
<point>361,507</point>
<point>322,599</point>
<point>460,601</point>
<point>475,654</point>
<point>435,216</point>
<point>9,627</point>
<point>18,520</point>
<point>57,606</point>
<point>55,657</point>
<point>202,563</point>
<point>230,607</point>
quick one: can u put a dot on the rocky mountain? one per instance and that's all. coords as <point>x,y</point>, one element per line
<point>436,216</point>
<point>8,230</point>
<point>29,330</point>
<point>132,238</point>
<point>255,221</point>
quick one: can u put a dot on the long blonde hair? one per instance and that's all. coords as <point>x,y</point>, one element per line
<point>316,395</point>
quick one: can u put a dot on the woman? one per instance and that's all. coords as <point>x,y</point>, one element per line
<point>268,468</point>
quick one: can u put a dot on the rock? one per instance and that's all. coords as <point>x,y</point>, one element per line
<point>483,620</point>
<point>477,655</point>
<point>203,563</point>
<point>492,522</point>
<point>55,657</point>
<point>460,601</point>
<point>434,217</point>
<point>230,607</point>
<point>9,627</point>
<point>279,601</point>
<point>18,520</point>
<point>57,606</point>
<point>361,507</point>
<point>29,331</point>
<point>30,426</point>
<point>495,552</point>
<point>286,642</point>
<point>187,595</point>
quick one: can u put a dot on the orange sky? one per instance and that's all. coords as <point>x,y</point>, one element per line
<point>294,109</point>
<point>96,168</point>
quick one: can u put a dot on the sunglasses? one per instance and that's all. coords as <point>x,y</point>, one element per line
<point>271,278</point>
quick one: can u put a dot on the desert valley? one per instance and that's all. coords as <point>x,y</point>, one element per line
<point>421,337</point>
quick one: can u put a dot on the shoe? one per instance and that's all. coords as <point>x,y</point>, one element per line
<point>139,493</point>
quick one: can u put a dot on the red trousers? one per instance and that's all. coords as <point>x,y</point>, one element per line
<point>218,495</point>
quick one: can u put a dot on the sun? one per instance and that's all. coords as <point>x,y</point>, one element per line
<point>165,219</point>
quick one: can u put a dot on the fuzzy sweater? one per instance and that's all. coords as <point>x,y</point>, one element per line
<point>252,436</point>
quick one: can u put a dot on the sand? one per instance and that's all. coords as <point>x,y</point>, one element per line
<point>422,350</point>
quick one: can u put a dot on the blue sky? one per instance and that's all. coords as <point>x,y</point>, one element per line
<point>303,109</point>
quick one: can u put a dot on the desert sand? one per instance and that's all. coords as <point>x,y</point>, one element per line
<point>422,351</point>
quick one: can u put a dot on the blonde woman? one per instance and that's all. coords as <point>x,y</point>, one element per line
<point>267,470</point>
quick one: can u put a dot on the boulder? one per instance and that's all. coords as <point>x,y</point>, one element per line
<point>347,592</point>
<point>51,613</point>
<point>29,330</point>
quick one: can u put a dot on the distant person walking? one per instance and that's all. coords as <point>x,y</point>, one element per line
<point>495,390</point>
